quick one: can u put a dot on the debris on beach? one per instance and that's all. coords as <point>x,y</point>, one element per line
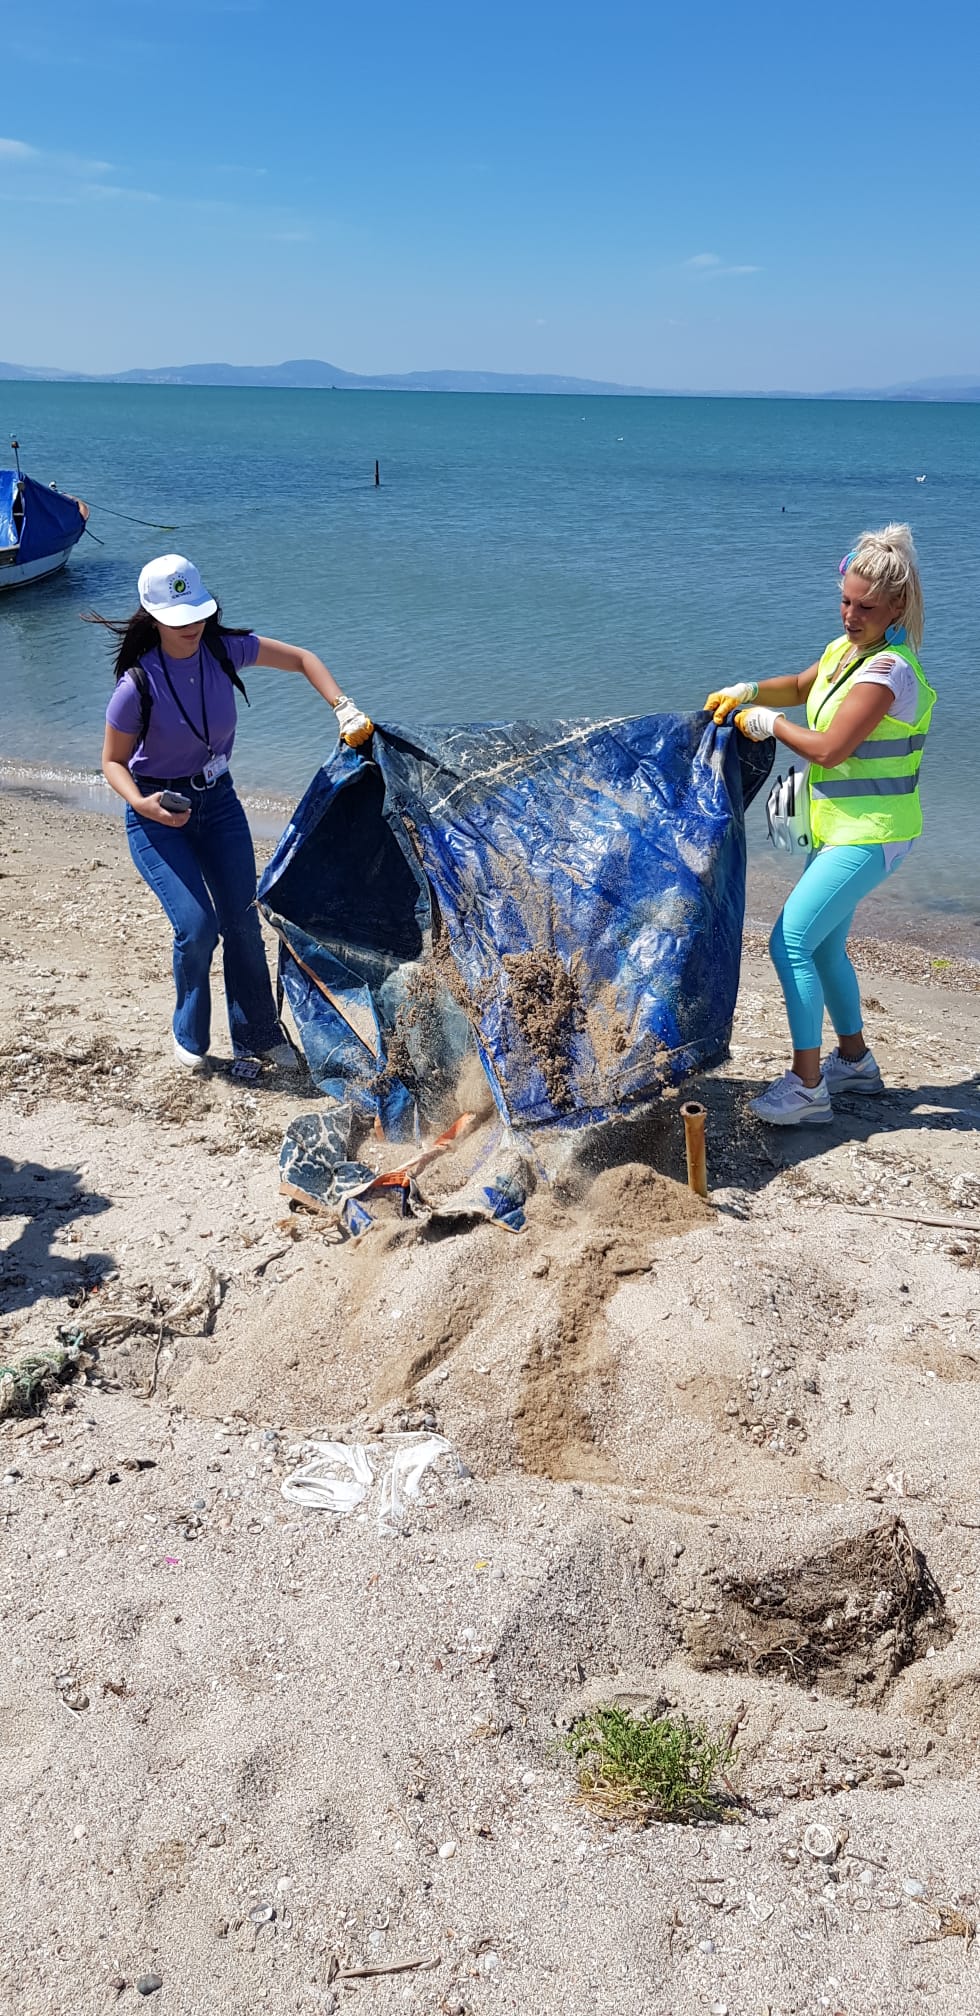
<point>317,1174</point>
<point>32,1374</point>
<point>847,1621</point>
<point>339,1477</point>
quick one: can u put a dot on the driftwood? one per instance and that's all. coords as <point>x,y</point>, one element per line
<point>915,1218</point>
<point>385,1967</point>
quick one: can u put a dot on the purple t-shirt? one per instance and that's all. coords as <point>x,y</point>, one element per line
<point>173,748</point>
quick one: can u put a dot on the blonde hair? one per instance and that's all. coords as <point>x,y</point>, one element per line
<point>888,561</point>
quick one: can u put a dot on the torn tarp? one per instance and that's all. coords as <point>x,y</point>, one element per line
<point>316,1172</point>
<point>563,902</point>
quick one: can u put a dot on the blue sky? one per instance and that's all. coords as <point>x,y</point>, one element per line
<point>754,197</point>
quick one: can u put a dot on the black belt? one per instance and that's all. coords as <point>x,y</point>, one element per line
<point>196,783</point>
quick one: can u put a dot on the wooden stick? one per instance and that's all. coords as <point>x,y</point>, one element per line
<point>385,1967</point>
<point>152,1387</point>
<point>913,1218</point>
<point>694,1117</point>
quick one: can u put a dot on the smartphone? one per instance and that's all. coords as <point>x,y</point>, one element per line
<point>174,801</point>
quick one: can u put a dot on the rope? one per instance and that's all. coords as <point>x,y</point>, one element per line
<point>113,513</point>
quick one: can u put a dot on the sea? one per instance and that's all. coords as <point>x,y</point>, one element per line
<point>521,558</point>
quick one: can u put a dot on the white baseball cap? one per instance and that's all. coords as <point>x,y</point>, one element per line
<point>171,590</point>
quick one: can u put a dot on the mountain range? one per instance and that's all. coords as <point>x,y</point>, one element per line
<point>311,374</point>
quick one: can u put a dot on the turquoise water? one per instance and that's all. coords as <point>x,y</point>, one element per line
<point>523,557</point>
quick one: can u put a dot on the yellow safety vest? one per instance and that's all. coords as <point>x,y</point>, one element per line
<point>874,795</point>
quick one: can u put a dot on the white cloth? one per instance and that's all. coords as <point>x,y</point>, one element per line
<point>339,1476</point>
<point>885,669</point>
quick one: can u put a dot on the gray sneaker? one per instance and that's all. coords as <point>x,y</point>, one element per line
<point>790,1103</point>
<point>863,1078</point>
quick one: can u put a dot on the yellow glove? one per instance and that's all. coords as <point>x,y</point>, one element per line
<point>727,698</point>
<point>353,727</point>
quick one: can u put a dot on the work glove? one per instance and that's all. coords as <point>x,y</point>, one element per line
<point>727,698</point>
<point>758,722</point>
<point>353,727</point>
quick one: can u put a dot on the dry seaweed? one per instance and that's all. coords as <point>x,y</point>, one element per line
<point>847,1621</point>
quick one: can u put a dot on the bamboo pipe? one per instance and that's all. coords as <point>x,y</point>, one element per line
<point>694,1117</point>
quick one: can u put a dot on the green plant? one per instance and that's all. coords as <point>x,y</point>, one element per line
<point>647,1767</point>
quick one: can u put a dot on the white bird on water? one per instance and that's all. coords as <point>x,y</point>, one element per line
<point>920,479</point>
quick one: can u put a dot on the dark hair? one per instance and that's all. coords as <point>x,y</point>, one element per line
<point>139,634</point>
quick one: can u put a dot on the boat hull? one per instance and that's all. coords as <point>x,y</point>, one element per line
<point>22,574</point>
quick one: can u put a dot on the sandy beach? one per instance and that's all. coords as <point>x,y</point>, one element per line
<point>722,1456</point>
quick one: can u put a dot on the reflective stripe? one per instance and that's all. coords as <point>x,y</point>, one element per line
<point>889,745</point>
<point>866,787</point>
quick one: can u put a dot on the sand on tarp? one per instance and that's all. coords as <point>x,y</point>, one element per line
<point>544,1001</point>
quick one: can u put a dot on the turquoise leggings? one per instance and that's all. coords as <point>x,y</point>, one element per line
<point>808,946</point>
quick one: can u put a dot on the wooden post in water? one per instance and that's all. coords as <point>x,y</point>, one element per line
<point>377,476</point>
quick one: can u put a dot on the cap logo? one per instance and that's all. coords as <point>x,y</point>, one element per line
<point>178,585</point>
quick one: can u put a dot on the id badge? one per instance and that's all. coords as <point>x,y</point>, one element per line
<point>215,769</point>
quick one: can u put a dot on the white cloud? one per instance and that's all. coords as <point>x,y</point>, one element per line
<point>714,268</point>
<point>47,161</point>
<point>48,177</point>
<point>116,189</point>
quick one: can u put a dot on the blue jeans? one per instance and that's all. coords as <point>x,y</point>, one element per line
<point>203,875</point>
<point>808,946</point>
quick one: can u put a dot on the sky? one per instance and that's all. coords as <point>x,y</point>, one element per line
<point>711,197</point>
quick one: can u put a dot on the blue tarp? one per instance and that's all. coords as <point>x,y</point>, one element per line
<point>565,899</point>
<point>50,523</point>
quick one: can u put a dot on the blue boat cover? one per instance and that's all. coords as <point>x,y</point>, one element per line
<point>51,522</point>
<point>564,900</point>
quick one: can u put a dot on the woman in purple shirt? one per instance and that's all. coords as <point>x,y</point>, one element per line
<point>170,726</point>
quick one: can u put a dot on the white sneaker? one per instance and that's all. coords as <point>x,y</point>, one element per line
<point>843,1076</point>
<point>790,1103</point>
<point>189,1060</point>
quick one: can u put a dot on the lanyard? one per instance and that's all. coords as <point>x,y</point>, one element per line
<point>181,709</point>
<point>838,683</point>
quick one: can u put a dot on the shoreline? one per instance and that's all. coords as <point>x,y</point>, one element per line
<point>87,791</point>
<point>948,935</point>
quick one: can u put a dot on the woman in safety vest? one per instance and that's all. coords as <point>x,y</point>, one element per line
<point>868,708</point>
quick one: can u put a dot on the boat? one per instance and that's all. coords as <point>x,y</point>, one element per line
<point>39,525</point>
